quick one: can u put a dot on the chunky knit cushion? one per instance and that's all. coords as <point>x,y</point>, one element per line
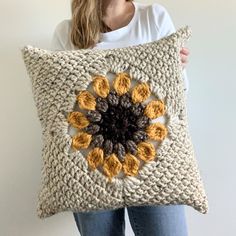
<point>114,127</point>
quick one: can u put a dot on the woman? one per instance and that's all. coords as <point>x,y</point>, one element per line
<point>112,24</point>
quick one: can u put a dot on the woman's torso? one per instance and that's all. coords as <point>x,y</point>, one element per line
<point>145,26</point>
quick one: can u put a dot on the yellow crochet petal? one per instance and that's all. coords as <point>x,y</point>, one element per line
<point>101,86</point>
<point>81,140</point>
<point>140,92</point>
<point>122,83</point>
<point>146,151</point>
<point>86,100</point>
<point>155,109</point>
<point>156,131</point>
<point>130,165</point>
<point>77,119</point>
<point>95,158</point>
<point>111,166</point>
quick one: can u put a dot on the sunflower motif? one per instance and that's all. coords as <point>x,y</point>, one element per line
<point>117,125</point>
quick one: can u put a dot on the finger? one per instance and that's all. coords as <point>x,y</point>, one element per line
<point>185,51</point>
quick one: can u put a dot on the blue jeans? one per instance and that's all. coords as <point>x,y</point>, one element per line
<point>166,220</point>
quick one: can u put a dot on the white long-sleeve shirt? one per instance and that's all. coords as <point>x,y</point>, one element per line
<point>150,22</point>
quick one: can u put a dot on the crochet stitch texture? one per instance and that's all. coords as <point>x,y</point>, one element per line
<point>114,127</point>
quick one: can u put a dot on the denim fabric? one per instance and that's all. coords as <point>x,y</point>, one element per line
<point>166,220</point>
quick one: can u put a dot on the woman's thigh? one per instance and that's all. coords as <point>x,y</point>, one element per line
<point>101,223</point>
<point>168,220</point>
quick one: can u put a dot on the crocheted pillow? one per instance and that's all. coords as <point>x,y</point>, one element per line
<point>114,127</point>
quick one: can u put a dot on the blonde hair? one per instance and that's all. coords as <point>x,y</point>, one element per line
<point>87,23</point>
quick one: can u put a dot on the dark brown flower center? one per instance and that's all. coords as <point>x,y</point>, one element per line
<point>118,124</point>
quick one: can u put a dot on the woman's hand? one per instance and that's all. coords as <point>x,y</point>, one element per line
<point>184,53</point>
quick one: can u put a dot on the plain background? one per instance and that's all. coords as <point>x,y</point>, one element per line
<point>211,113</point>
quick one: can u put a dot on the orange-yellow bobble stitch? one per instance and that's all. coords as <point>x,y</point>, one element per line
<point>95,158</point>
<point>122,83</point>
<point>101,86</point>
<point>155,109</point>
<point>86,100</point>
<point>146,151</point>
<point>140,92</point>
<point>81,140</point>
<point>131,165</point>
<point>111,166</point>
<point>77,119</point>
<point>156,131</point>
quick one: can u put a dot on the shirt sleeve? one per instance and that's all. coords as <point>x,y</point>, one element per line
<point>165,27</point>
<point>58,37</point>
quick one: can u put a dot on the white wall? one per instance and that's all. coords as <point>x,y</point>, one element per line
<point>211,111</point>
